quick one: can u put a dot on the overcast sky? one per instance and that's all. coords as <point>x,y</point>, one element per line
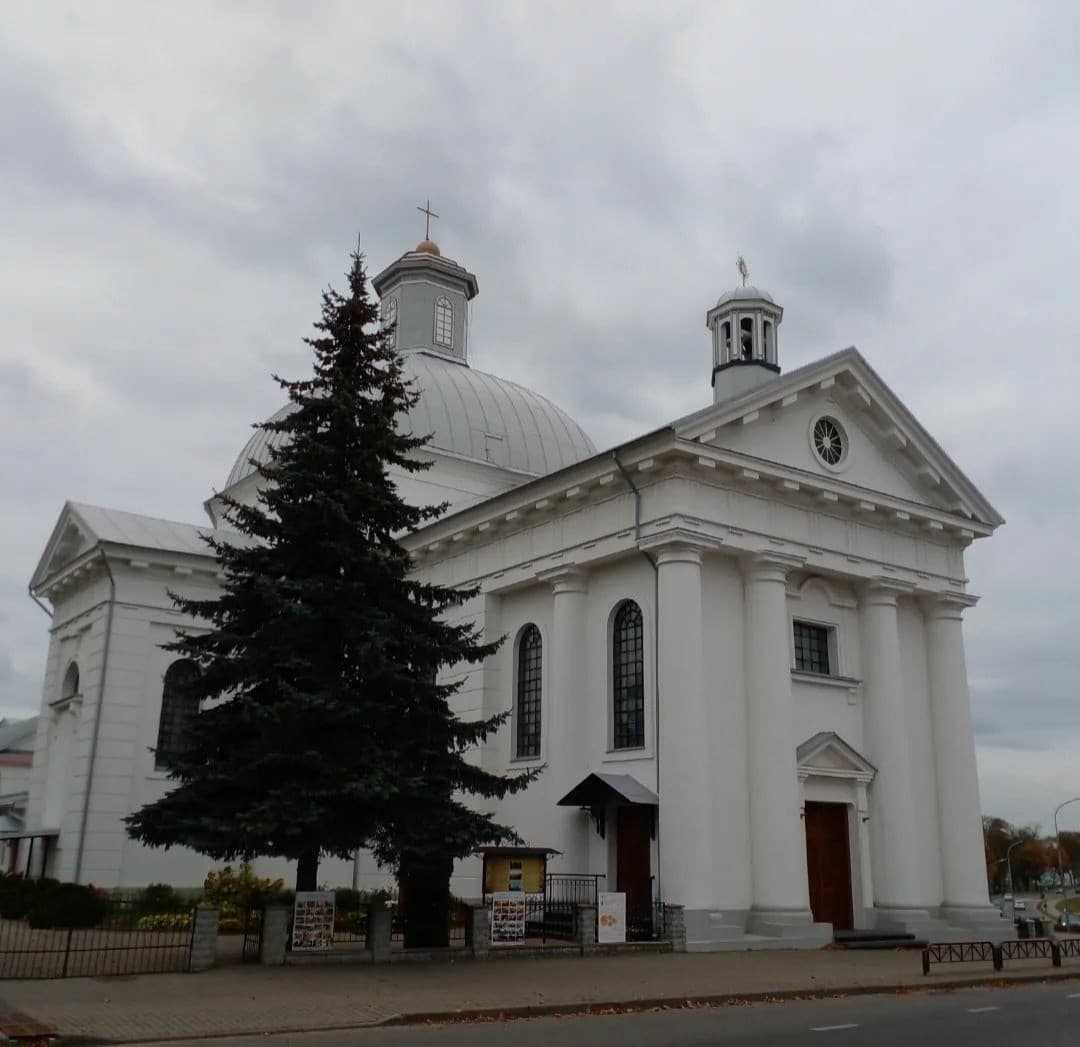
<point>179,181</point>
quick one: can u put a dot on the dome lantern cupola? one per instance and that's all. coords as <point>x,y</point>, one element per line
<point>426,295</point>
<point>743,324</point>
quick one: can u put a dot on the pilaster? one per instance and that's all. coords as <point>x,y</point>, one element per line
<point>686,780</point>
<point>566,709</point>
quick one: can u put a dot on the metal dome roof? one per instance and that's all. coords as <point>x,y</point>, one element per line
<point>738,293</point>
<point>469,414</point>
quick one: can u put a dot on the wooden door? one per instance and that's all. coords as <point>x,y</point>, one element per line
<point>828,864</point>
<point>634,860</point>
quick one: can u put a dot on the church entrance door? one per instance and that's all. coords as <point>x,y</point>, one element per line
<point>828,864</point>
<point>633,861</point>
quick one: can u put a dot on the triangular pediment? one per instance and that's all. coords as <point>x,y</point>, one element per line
<point>71,539</point>
<point>884,449</point>
<point>828,754</point>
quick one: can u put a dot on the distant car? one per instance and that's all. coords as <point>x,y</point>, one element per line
<point>1019,905</point>
<point>1006,897</point>
<point>1068,921</point>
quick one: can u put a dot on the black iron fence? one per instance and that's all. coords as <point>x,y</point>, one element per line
<point>116,936</point>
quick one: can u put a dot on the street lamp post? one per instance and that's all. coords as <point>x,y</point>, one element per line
<point>1008,859</point>
<point>1057,843</point>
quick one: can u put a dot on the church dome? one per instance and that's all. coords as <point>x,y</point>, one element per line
<point>471,415</point>
<point>741,293</point>
<point>427,247</point>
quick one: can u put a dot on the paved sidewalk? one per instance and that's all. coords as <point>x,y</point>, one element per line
<point>235,1000</point>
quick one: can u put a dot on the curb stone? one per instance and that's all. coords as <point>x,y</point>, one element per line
<point>671,1003</point>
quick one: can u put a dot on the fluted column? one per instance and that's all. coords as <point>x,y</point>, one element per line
<point>568,712</point>
<point>777,836</point>
<point>895,858</point>
<point>959,810</point>
<point>686,780</point>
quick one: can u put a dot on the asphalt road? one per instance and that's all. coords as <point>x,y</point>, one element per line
<point>1047,1015</point>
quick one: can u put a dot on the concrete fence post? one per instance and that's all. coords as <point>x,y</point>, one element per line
<point>204,939</point>
<point>478,931</point>
<point>675,927</point>
<point>586,927</point>
<point>379,930</point>
<point>275,935</point>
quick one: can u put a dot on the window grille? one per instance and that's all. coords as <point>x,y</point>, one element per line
<point>530,656</point>
<point>444,323</point>
<point>812,648</point>
<point>628,692</point>
<point>179,704</point>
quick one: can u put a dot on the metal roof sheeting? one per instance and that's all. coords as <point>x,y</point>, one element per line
<point>469,414</point>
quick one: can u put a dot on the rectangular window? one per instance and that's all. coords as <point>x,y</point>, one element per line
<point>812,649</point>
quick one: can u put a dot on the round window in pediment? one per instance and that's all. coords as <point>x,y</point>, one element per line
<point>829,440</point>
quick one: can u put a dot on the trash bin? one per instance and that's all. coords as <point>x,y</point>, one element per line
<point>1023,929</point>
<point>1038,928</point>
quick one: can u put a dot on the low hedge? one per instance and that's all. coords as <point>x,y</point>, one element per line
<point>67,905</point>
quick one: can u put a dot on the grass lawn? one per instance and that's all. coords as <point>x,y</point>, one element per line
<point>1073,903</point>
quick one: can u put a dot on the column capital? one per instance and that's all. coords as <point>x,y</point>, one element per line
<point>566,578</point>
<point>884,591</point>
<point>678,545</point>
<point>947,605</point>
<point>769,566</point>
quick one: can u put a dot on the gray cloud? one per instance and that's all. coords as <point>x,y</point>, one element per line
<point>178,184</point>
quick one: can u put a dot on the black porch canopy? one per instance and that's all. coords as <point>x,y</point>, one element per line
<point>596,791</point>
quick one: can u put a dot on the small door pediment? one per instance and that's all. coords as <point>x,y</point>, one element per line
<point>827,754</point>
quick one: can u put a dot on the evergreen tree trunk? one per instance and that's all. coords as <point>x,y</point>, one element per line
<point>307,871</point>
<point>424,894</point>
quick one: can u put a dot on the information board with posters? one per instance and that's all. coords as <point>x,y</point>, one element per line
<point>313,921</point>
<point>508,916</point>
<point>610,917</point>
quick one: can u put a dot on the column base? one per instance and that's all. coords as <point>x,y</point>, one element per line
<point>714,930</point>
<point>947,924</point>
<point>983,922</point>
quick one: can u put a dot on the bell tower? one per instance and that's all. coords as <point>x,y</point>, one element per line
<point>426,296</point>
<point>743,324</point>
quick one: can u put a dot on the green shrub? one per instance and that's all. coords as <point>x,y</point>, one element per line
<point>165,921</point>
<point>67,905</point>
<point>19,895</point>
<point>242,889</point>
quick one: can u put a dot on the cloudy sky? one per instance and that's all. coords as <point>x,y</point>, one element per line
<point>179,181</point>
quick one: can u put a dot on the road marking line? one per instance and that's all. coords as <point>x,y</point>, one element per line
<point>980,1010</point>
<point>832,1028</point>
<point>1073,996</point>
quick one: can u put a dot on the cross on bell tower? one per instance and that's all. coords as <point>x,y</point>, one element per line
<point>429,214</point>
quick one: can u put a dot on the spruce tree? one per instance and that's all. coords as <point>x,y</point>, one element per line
<point>321,727</point>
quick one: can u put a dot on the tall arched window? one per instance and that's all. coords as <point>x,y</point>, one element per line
<point>529,664</point>
<point>444,322</point>
<point>179,704</point>
<point>389,319</point>
<point>628,678</point>
<point>70,687</point>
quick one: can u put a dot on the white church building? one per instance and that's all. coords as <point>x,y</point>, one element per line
<point>734,643</point>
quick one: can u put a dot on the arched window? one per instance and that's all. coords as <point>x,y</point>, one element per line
<point>746,338</point>
<point>527,719</point>
<point>444,322</point>
<point>70,687</point>
<point>389,319</point>
<point>770,349</point>
<point>725,341</point>
<point>628,678</point>
<point>179,704</point>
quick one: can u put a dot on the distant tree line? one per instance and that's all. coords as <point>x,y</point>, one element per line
<point>1034,855</point>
